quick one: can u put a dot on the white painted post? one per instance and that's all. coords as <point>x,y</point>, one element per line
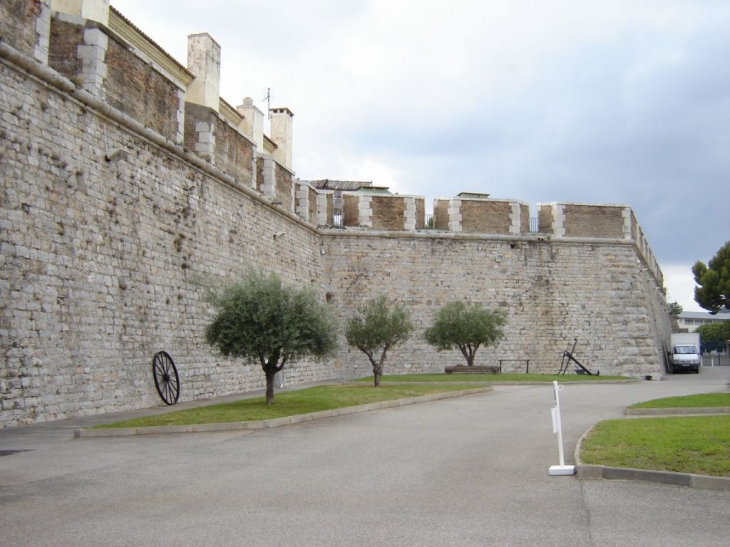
<point>561,469</point>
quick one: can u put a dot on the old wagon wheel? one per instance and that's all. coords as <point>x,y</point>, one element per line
<point>167,381</point>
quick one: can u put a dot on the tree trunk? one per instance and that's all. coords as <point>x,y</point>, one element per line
<point>377,370</point>
<point>467,356</point>
<point>378,365</point>
<point>270,387</point>
<point>469,353</point>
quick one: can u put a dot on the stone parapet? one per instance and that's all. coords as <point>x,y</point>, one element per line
<point>276,182</point>
<point>91,41</point>
<point>66,35</point>
<point>92,54</point>
<point>201,124</point>
<point>99,49</point>
<point>26,27</point>
<point>564,219</point>
<point>475,215</point>
<point>43,32</point>
<point>266,180</point>
<point>585,220</point>
<point>285,188</point>
<point>365,211</point>
<point>302,200</point>
<point>325,208</point>
<point>454,215</point>
<point>383,212</point>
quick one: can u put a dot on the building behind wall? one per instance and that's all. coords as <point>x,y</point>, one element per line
<point>690,321</point>
<point>126,178</point>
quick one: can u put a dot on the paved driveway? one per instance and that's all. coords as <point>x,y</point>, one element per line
<point>464,471</point>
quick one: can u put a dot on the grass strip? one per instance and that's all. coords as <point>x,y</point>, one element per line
<point>688,401</point>
<point>289,403</point>
<point>492,378</point>
<point>699,445</point>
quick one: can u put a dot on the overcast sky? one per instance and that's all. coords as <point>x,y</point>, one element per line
<point>619,102</point>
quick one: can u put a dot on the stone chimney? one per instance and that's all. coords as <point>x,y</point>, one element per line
<point>252,124</point>
<point>282,128</point>
<point>204,61</point>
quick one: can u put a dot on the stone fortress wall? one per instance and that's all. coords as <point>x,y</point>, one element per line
<point>126,178</point>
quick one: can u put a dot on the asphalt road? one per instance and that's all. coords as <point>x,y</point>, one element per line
<point>463,471</point>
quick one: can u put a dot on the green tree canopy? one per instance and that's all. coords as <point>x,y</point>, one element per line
<point>713,292</point>
<point>466,328</point>
<point>260,319</point>
<point>715,332</point>
<point>376,327</point>
<point>675,309</point>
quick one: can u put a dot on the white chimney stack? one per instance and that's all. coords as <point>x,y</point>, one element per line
<point>204,61</point>
<point>282,128</point>
<point>253,122</point>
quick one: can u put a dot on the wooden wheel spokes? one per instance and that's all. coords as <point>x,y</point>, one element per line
<point>167,380</point>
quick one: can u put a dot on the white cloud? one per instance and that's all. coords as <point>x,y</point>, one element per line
<point>680,285</point>
<point>620,101</point>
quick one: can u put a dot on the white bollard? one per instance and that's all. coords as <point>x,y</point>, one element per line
<point>561,469</point>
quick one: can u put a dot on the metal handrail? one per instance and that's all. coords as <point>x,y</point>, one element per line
<point>527,362</point>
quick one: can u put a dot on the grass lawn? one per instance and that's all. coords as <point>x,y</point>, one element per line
<point>698,445</point>
<point>688,401</point>
<point>286,403</point>
<point>493,378</point>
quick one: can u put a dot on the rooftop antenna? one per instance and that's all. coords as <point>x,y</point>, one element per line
<point>268,101</point>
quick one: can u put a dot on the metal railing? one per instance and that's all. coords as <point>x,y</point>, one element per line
<point>715,360</point>
<point>526,361</point>
<point>534,225</point>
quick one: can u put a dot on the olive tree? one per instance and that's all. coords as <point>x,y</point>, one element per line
<point>713,279</point>
<point>466,328</point>
<point>261,319</point>
<point>375,328</point>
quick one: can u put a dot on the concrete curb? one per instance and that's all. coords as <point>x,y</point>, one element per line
<point>571,384</point>
<point>276,422</point>
<point>584,471</point>
<point>518,383</point>
<point>676,411</point>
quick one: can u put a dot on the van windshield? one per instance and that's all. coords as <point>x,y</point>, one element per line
<point>684,350</point>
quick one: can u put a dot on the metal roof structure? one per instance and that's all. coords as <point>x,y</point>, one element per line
<point>330,184</point>
<point>720,316</point>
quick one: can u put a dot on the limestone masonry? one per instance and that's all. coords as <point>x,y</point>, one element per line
<point>126,178</point>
